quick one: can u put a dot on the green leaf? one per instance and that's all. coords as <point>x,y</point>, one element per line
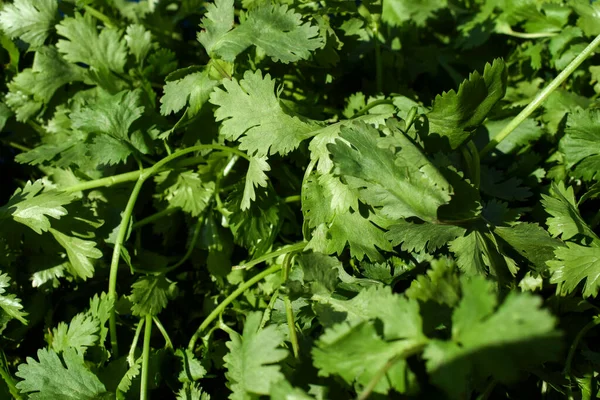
<point>112,115</point>
<point>150,294</point>
<point>254,178</point>
<point>440,284</point>
<point>79,334</point>
<point>30,21</point>
<point>193,89</point>
<point>456,114</point>
<point>581,142</point>
<point>252,114</point>
<point>10,303</point>
<point>192,370</point>
<point>49,379</point>
<point>100,309</point>
<point>404,185</point>
<point>566,221</point>
<point>488,341</point>
<point>32,205</point>
<point>139,41</point>
<point>192,392</point>
<point>79,252</point>
<point>185,190</point>
<point>103,51</point>
<point>399,12</point>
<point>531,241</point>
<point>358,354</point>
<point>470,250</point>
<point>417,237</point>
<point>217,21</point>
<point>572,265</point>
<point>252,359</point>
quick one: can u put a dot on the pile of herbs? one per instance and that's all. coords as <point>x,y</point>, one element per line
<point>299,199</point>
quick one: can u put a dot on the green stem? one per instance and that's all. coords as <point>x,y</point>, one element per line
<point>10,382</point>
<point>163,331</point>
<point>114,263</point>
<point>98,15</point>
<point>543,95</point>
<point>146,359</point>
<point>17,146</point>
<point>292,199</point>
<point>154,217</point>
<point>372,104</point>
<point>221,307</point>
<point>136,338</point>
<point>274,254</point>
<point>105,182</point>
<point>289,310</point>
<point>524,35</point>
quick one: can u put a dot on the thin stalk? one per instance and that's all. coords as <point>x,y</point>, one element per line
<point>417,348</point>
<point>136,338</point>
<point>10,382</point>
<point>146,359</point>
<point>154,217</point>
<point>98,15</point>
<point>292,199</point>
<point>372,104</point>
<point>114,263</point>
<point>274,254</point>
<point>507,30</point>
<point>17,146</point>
<point>289,310</point>
<point>105,182</point>
<point>221,307</point>
<point>543,95</point>
<point>163,331</point>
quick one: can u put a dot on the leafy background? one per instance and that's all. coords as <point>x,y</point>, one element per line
<point>301,200</point>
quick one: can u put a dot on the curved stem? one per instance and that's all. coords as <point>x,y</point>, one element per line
<point>98,15</point>
<point>221,307</point>
<point>372,104</point>
<point>274,254</point>
<point>289,310</point>
<point>114,263</point>
<point>146,358</point>
<point>163,331</point>
<point>154,217</point>
<point>105,182</point>
<point>543,95</point>
<point>136,338</point>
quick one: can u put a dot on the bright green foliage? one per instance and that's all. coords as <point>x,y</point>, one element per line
<point>566,220</point>
<point>139,41</point>
<point>580,143</point>
<point>574,264</point>
<point>256,177</point>
<point>150,294</point>
<point>185,190</point>
<point>398,12</point>
<point>10,303</point>
<point>417,237</point>
<point>252,114</point>
<point>49,378</point>
<point>194,392</point>
<point>455,114</point>
<point>78,334</point>
<point>80,253</point>
<point>32,205</point>
<point>194,89</point>
<point>29,21</point>
<point>250,363</point>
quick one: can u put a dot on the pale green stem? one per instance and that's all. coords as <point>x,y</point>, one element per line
<point>163,331</point>
<point>221,307</point>
<point>136,338</point>
<point>274,254</point>
<point>146,358</point>
<point>292,199</point>
<point>541,97</point>
<point>154,217</point>
<point>98,15</point>
<point>372,104</point>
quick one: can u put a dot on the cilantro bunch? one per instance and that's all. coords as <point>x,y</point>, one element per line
<point>299,200</point>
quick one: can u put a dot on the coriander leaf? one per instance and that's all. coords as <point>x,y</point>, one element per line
<point>49,379</point>
<point>192,392</point>
<point>489,341</point>
<point>31,21</point>
<point>254,178</point>
<point>104,51</point>
<point>455,115</point>
<point>217,21</point>
<point>566,220</point>
<point>572,265</point>
<point>80,333</point>
<point>280,33</point>
<point>107,150</point>
<point>531,241</point>
<point>185,190</point>
<point>404,185</point>
<point>580,143</point>
<point>192,370</point>
<point>10,303</point>
<point>469,250</point>
<point>112,115</point>
<point>150,294</point>
<point>252,114</point>
<point>358,354</point>
<point>417,237</point>
<point>440,284</point>
<point>139,41</point>
<point>79,252</point>
<point>398,12</point>
<point>251,361</point>
<point>284,390</point>
<point>100,309</point>
<point>132,372</point>
<point>360,233</point>
<point>193,89</point>
<point>31,206</point>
